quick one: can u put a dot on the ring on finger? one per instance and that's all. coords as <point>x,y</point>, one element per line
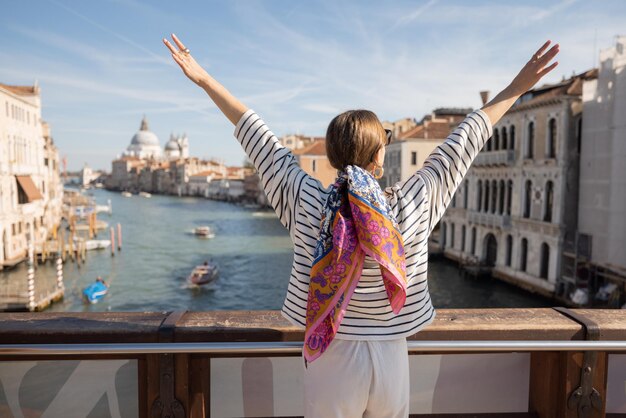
<point>185,51</point>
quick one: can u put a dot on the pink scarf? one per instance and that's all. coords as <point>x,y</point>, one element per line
<point>357,221</point>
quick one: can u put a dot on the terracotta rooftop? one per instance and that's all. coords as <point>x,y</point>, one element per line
<point>429,129</point>
<point>571,86</point>
<point>318,147</point>
<point>21,90</point>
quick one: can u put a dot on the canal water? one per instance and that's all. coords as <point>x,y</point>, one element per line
<point>252,249</point>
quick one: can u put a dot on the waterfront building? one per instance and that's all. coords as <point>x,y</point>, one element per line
<point>121,177</point>
<point>87,175</point>
<point>314,161</point>
<point>596,254</point>
<point>518,201</point>
<point>31,192</point>
<point>253,192</point>
<point>199,182</point>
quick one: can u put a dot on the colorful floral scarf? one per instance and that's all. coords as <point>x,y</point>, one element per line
<point>356,221</point>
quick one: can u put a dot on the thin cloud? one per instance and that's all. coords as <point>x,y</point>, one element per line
<point>404,20</point>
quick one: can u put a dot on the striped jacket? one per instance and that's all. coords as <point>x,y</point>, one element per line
<point>418,204</point>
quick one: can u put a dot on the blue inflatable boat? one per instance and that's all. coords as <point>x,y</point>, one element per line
<point>95,291</point>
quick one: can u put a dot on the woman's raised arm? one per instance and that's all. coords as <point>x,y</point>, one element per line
<point>446,166</point>
<point>536,67</point>
<point>282,178</point>
<point>230,106</point>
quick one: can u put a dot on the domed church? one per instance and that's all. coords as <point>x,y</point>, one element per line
<point>145,144</point>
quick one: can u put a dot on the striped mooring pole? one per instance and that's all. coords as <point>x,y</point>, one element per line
<point>60,284</point>
<point>31,271</point>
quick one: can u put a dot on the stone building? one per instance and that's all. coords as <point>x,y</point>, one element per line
<point>31,192</point>
<point>407,152</point>
<point>519,198</point>
<point>595,257</point>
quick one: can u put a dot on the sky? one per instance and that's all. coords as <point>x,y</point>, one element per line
<point>101,65</point>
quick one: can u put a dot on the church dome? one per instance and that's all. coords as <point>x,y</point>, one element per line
<point>172,145</point>
<point>145,137</point>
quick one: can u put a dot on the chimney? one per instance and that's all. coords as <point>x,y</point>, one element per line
<point>484,96</point>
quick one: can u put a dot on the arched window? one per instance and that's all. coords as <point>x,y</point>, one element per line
<point>496,140</point>
<point>494,195</point>
<point>479,195</point>
<point>512,133</point>
<point>489,141</point>
<point>473,249</point>
<point>452,235</point>
<point>523,254</point>
<point>549,199</point>
<point>486,195</point>
<point>509,194</point>
<point>530,140</point>
<point>504,141</point>
<point>463,238</point>
<point>551,151</point>
<point>501,197</point>
<point>465,194</point>
<point>545,261</point>
<point>509,249</point>
<point>527,196</point>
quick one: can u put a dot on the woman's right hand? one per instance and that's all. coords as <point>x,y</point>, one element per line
<point>535,69</point>
<point>187,63</point>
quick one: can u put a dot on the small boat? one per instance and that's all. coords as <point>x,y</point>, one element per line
<point>203,274</point>
<point>127,194</point>
<point>145,194</point>
<point>95,291</point>
<point>97,244</point>
<point>204,232</point>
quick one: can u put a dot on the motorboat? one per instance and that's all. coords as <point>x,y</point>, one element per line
<point>127,194</point>
<point>145,194</point>
<point>95,291</point>
<point>203,274</point>
<point>204,232</point>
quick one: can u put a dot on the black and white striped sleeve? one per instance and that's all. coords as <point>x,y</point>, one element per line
<point>281,175</point>
<point>446,166</point>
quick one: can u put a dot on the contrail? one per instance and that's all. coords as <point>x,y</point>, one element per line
<point>159,58</point>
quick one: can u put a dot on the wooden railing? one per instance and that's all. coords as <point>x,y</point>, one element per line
<point>546,362</point>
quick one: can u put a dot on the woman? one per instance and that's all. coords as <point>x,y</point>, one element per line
<point>358,283</point>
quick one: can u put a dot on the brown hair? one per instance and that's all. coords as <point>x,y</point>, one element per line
<point>353,138</point>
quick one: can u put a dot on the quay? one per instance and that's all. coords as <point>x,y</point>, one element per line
<point>543,362</point>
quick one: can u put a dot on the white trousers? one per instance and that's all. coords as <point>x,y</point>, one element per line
<point>358,379</point>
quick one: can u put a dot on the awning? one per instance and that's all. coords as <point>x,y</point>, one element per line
<point>28,187</point>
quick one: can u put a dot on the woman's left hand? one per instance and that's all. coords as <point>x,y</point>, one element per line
<point>187,63</point>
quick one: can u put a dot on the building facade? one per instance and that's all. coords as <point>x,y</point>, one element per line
<point>518,201</point>
<point>595,257</point>
<point>410,148</point>
<point>31,192</point>
<point>314,161</point>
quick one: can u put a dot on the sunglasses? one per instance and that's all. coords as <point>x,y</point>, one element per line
<point>389,135</point>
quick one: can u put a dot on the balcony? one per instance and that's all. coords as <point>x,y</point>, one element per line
<point>495,158</point>
<point>492,220</point>
<point>504,362</point>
